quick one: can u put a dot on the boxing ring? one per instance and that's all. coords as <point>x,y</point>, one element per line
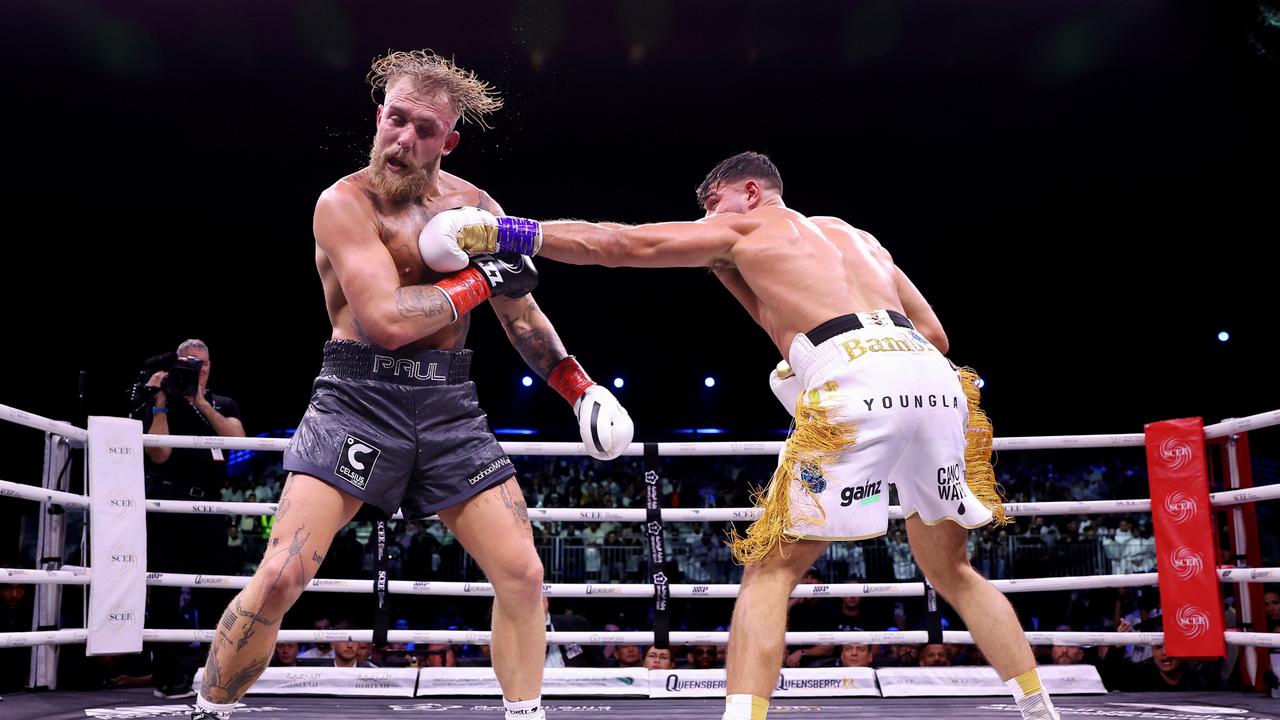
<point>451,692</point>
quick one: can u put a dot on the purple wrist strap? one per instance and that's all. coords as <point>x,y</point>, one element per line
<point>517,235</point>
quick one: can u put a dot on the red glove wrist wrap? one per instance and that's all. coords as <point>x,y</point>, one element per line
<point>569,379</point>
<point>466,289</point>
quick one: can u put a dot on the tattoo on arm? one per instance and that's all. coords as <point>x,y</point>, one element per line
<point>364,337</point>
<point>515,504</point>
<point>533,337</point>
<point>422,301</point>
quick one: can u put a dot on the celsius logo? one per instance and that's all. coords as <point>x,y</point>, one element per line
<point>1193,621</point>
<point>1175,453</point>
<point>1181,506</point>
<point>1186,562</point>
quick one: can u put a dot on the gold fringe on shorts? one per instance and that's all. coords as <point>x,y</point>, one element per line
<point>978,447</point>
<point>815,441</point>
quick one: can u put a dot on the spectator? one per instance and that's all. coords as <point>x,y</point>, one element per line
<point>704,657</point>
<point>438,655</point>
<point>808,614</point>
<point>570,654</point>
<point>286,655</point>
<point>319,651</point>
<point>856,655</point>
<point>1271,608</point>
<point>656,658</point>
<point>627,656</point>
<point>346,654</point>
<point>935,655</point>
<point>181,404</point>
<point>15,616</point>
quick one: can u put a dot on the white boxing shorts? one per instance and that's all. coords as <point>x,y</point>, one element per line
<point>900,401</point>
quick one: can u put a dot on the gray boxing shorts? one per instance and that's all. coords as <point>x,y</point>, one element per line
<point>397,429</point>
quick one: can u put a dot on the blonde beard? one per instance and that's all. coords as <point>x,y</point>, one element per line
<point>395,188</point>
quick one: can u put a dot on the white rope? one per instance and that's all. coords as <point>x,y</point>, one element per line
<point>1244,424</point>
<point>74,575</point>
<point>22,576</point>
<point>665,449</point>
<point>39,494</point>
<point>1044,442</point>
<point>481,637</point>
<point>31,420</point>
<point>1253,639</point>
<point>1085,507</point>
<point>484,637</point>
<point>45,637</point>
<point>1249,575</point>
<point>1227,498</point>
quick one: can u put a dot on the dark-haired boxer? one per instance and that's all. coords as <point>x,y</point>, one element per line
<point>875,402</point>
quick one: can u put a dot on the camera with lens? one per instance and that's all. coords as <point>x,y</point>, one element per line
<point>182,379</point>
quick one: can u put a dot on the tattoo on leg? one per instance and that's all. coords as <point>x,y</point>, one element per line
<point>317,558</point>
<point>229,620</point>
<point>254,619</point>
<point>516,505</point>
<point>233,688</point>
<point>283,508</point>
<point>275,542</point>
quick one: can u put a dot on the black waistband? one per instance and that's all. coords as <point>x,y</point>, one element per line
<point>358,361</point>
<point>845,323</point>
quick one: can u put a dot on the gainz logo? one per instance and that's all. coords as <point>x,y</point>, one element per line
<point>650,477</point>
<point>653,528</point>
<point>1192,621</point>
<point>1186,562</point>
<point>1175,453</point>
<point>1181,506</point>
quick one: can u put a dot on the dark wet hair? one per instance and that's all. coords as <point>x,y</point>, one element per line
<point>745,165</point>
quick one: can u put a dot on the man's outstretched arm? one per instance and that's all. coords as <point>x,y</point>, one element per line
<point>670,244</point>
<point>451,235</point>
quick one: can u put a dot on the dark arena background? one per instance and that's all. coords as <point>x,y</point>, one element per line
<point>1086,192</point>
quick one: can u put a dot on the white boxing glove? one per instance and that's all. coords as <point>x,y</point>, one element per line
<point>605,425</point>
<point>439,240</point>
<point>786,386</point>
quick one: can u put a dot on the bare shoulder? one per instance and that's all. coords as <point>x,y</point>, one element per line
<point>835,223</point>
<point>344,206</point>
<point>348,192</point>
<point>464,192</point>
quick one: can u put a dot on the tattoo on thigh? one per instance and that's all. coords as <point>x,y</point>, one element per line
<point>515,504</point>
<point>317,558</point>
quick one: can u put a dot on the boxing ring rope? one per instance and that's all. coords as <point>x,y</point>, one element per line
<point>484,637</point>
<point>81,576</point>
<point>1223,498</point>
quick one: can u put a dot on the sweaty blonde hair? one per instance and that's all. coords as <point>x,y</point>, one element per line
<point>471,98</point>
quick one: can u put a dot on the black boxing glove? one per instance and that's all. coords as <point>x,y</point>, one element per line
<point>504,274</point>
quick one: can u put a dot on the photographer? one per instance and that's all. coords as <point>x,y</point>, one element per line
<point>181,404</point>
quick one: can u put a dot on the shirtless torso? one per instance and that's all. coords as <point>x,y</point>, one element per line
<point>397,226</point>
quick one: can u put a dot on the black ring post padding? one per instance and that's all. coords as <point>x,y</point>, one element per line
<point>657,548</point>
<point>381,613</point>
<point>932,618</point>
